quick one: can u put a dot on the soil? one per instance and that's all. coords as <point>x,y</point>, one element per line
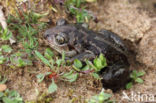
<point>132,20</point>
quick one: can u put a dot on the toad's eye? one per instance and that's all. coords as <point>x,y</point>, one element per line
<point>61,38</point>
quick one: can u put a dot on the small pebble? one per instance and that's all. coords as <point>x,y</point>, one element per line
<point>3,87</point>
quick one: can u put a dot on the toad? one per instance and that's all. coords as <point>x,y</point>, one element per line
<point>78,42</point>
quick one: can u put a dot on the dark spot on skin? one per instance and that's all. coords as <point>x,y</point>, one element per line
<point>154,4</point>
<point>71,47</point>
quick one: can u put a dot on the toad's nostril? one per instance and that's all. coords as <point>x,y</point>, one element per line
<point>46,36</point>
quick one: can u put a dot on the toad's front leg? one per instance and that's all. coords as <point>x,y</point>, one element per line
<point>82,56</point>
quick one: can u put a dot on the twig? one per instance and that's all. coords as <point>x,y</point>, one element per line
<point>2,19</point>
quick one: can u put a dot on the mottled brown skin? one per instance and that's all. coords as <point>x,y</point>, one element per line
<point>80,43</point>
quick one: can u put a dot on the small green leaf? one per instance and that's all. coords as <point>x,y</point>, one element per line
<point>77,64</point>
<point>6,48</point>
<point>139,80</point>
<point>10,97</point>
<point>2,59</point>
<point>89,63</point>
<point>71,77</point>
<point>7,100</point>
<point>1,94</point>
<point>53,87</point>
<point>48,54</point>
<point>77,69</point>
<point>133,75</point>
<point>100,98</point>
<point>63,57</point>
<point>129,85</point>
<point>134,72</point>
<point>96,76</point>
<point>139,74</point>
<point>103,59</point>
<point>13,93</point>
<point>21,63</point>
<point>85,68</point>
<point>6,34</point>
<point>43,59</point>
<point>98,64</point>
<point>37,15</point>
<point>40,77</point>
<point>59,62</point>
<point>47,73</point>
<point>3,81</point>
<point>104,96</point>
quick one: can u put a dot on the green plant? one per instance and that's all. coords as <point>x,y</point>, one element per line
<point>102,97</point>
<point>76,3</point>
<point>77,65</point>
<point>10,97</point>
<point>2,79</point>
<point>135,76</point>
<point>5,34</point>
<point>40,77</point>
<point>47,59</point>
<point>3,50</point>
<point>28,17</point>
<point>70,76</point>
<point>53,87</point>
<point>6,48</point>
<point>74,7</point>
<point>98,64</point>
<point>43,59</point>
<point>27,25</point>
<point>13,60</point>
<point>27,36</point>
<point>17,60</point>
<point>61,61</point>
<point>2,59</point>
<point>48,53</point>
<point>32,17</point>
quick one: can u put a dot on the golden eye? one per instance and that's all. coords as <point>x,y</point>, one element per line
<point>60,39</point>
